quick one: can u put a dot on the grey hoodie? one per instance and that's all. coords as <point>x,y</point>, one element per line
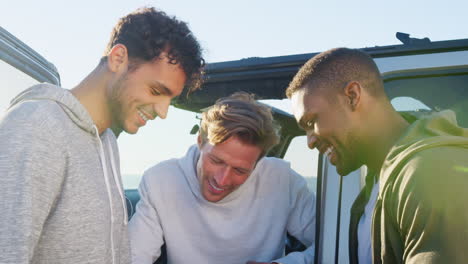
<point>248,224</point>
<point>61,198</point>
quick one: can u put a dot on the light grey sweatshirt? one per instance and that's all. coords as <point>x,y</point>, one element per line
<point>248,224</point>
<point>61,198</point>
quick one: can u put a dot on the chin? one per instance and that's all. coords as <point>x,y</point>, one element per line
<point>344,171</point>
<point>131,130</point>
<point>211,199</point>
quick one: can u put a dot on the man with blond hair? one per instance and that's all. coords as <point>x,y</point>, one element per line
<point>224,202</point>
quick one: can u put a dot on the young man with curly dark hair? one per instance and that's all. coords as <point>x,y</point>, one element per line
<point>62,197</point>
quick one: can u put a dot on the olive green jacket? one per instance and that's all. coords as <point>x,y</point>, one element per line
<point>421,214</point>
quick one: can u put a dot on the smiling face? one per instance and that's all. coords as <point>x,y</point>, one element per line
<point>223,167</point>
<point>329,127</point>
<point>144,93</point>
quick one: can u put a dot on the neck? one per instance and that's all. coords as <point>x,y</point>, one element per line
<point>91,92</point>
<point>384,132</point>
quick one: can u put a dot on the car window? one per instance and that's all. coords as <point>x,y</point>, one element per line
<point>405,103</point>
<point>13,82</point>
<point>431,89</point>
<point>303,160</point>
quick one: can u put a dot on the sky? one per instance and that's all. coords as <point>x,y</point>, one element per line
<point>73,34</point>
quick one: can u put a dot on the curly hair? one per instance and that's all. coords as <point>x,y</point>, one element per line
<point>148,32</point>
<point>241,116</point>
<point>335,68</point>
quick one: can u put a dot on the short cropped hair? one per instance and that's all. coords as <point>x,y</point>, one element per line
<point>239,115</point>
<point>148,32</point>
<point>336,68</point>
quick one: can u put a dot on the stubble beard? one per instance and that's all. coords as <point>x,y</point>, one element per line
<point>115,105</point>
<point>349,161</point>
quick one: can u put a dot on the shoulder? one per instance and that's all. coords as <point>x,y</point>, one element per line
<point>278,171</point>
<point>272,164</point>
<point>35,114</point>
<point>164,172</point>
<point>34,121</point>
<point>35,108</point>
<point>172,172</point>
<point>431,174</point>
<point>437,162</point>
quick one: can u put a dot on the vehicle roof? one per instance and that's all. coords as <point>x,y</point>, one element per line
<point>269,77</point>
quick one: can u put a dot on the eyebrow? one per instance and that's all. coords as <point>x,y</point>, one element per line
<point>163,87</point>
<point>243,170</point>
<point>214,157</point>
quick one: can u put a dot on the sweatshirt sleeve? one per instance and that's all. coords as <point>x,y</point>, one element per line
<point>427,212</point>
<point>31,174</point>
<point>301,222</point>
<point>146,234</point>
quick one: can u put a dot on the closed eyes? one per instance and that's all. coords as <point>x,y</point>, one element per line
<point>309,125</point>
<point>155,91</point>
<point>215,161</point>
<point>241,171</point>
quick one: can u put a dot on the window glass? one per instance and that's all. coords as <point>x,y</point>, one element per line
<point>437,89</point>
<point>12,81</point>
<point>405,103</point>
<point>284,104</point>
<point>303,160</point>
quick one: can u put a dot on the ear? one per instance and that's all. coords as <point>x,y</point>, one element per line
<point>117,58</point>
<point>353,92</point>
<point>199,141</point>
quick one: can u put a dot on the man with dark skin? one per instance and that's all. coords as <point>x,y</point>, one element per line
<point>420,214</point>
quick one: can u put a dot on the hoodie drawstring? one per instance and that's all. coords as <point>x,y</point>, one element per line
<point>117,180</point>
<point>109,195</point>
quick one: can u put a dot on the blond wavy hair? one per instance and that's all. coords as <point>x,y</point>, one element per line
<point>241,116</point>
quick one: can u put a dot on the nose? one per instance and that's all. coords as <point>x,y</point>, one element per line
<point>161,107</point>
<point>311,140</point>
<point>222,178</point>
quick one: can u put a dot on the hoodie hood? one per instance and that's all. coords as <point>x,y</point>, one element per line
<point>437,129</point>
<point>71,106</point>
